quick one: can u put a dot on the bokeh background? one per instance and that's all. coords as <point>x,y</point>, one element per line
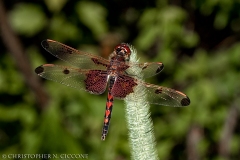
<point>197,40</point>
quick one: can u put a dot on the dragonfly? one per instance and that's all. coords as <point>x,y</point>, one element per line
<point>94,74</point>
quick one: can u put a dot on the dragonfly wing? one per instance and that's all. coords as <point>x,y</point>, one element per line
<point>163,96</point>
<point>125,87</point>
<point>77,58</point>
<point>93,81</point>
<point>144,70</point>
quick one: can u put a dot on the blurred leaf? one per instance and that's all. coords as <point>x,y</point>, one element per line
<point>27,19</point>
<point>221,20</point>
<point>167,57</point>
<point>195,67</point>
<point>164,24</point>
<point>203,146</point>
<point>235,54</point>
<point>35,56</point>
<point>55,5</point>
<point>163,147</point>
<point>27,116</point>
<point>61,29</point>
<point>171,14</point>
<point>31,141</point>
<point>147,37</point>
<point>207,6</point>
<point>190,39</point>
<point>180,127</point>
<point>235,144</point>
<point>53,136</point>
<point>11,80</point>
<point>9,114</point>
<point>93,15</point>
<point>148,17</point>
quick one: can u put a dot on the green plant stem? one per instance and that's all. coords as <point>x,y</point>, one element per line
<point>140,126</point>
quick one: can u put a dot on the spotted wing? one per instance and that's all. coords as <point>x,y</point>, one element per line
<point>93,81</point>
<point>77,58</point>
<point>129,88</point>
<point>164,96</point>
<point>144,70</point>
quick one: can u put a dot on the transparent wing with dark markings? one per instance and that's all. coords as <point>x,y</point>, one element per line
<point>132,89</point>
<point>93,81</point>
<point>144,70</point>
<point>163,96</point>
<point>77,58</point>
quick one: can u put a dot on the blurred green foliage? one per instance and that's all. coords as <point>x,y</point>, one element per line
<point>30,14</point>
<point>198,42</point>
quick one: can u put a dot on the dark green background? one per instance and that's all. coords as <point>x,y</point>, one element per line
<point>197,41</point>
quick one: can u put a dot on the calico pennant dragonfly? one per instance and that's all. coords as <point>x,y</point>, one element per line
<point>93,74</point>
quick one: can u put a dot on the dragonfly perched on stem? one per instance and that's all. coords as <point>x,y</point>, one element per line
<point>93,74</point>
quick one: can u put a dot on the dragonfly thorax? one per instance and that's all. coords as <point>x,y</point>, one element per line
<point>116,67</point>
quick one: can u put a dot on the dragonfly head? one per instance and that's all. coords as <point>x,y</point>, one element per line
<point>123,51</point>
